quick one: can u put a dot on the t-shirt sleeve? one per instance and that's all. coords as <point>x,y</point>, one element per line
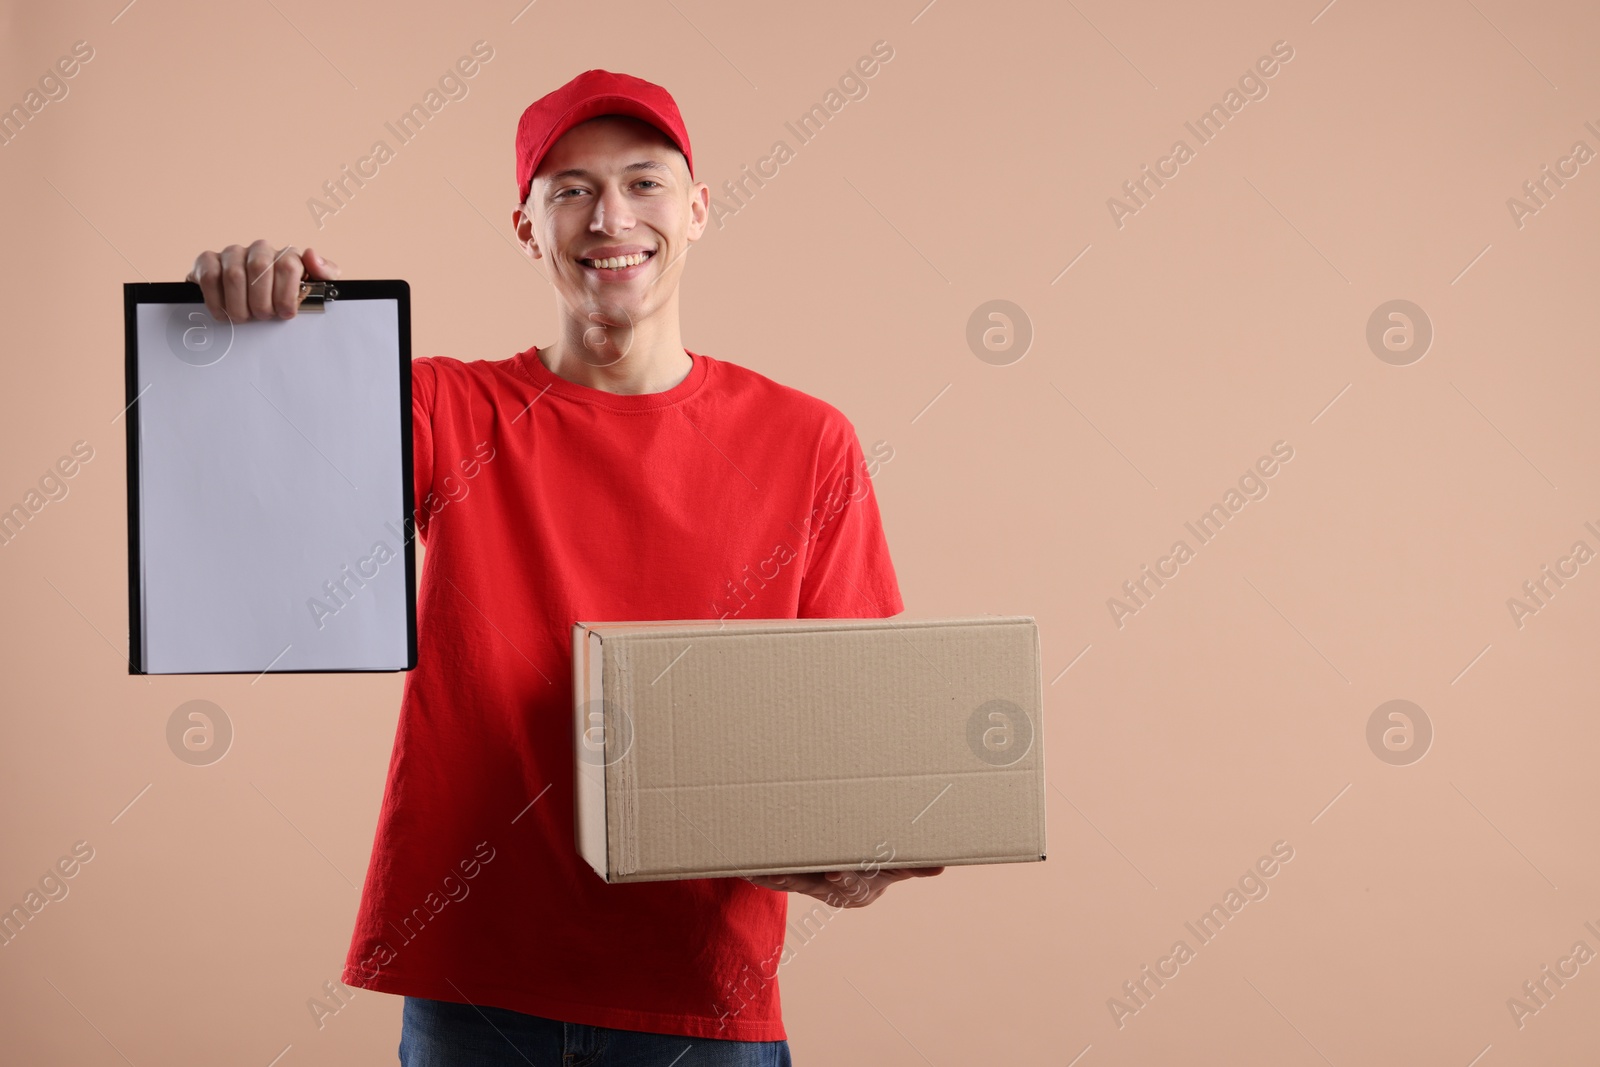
<point>424,391</point>
<point>848,573</point>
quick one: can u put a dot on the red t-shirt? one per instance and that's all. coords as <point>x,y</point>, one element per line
<point>542,502</point>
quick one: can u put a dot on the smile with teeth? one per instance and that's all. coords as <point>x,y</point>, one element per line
<point>617,262</point>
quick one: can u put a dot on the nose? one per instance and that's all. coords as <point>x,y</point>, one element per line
<point>612,215</point>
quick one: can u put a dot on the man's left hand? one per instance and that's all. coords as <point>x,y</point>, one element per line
<point>841,889</point>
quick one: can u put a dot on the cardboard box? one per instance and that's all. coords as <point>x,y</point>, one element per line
<point>707,749</point>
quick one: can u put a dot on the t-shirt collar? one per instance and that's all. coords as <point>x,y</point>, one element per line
<point>532,368</point>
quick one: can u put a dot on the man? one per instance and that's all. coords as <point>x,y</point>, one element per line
<point>610,475</point>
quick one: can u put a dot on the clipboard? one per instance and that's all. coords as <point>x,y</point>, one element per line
<point>271,520</point>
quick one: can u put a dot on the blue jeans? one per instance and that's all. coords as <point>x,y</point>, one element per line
<point>440,1033</point>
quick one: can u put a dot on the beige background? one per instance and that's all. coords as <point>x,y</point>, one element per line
<point>1227,314</point>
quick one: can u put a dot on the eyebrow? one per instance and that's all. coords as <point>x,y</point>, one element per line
<point>631,168</point>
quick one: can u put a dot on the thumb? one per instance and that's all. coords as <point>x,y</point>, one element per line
<point>320,267</point>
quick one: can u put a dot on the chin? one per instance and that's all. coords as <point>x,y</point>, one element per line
<point>617,314</point>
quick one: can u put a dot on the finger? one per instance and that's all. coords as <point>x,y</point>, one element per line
<point>820,888</point>
<point>900,874</point>
<point>852,885</point>
<point>286,276</point>
<point>259,263</point>
<point>856,887</point>
<point>207,273</point>
<point>861,896</point>
<point>320,268</point>
<point>235,301</point>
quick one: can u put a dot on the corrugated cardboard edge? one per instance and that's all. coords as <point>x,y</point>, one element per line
<point>617,678</point>
<point>707,627</point>
<point>589,800</point>
<point>735,872</point>
<point>1038,732</point>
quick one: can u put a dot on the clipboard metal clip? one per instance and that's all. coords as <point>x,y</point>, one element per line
<point>315,295</point>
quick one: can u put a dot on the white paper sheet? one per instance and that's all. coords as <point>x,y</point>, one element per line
<point>271,464</point>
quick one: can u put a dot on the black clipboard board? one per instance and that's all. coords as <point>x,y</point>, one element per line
<point>232,494</point>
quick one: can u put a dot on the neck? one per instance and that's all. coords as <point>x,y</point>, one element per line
<point>648,358</point>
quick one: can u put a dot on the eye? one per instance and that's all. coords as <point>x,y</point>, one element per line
<point>649,181</point>
<point>563,193</point>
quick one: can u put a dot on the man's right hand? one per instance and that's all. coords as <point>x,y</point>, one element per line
<point>258,282</point>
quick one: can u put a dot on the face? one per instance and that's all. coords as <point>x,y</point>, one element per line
<point>613,189</point>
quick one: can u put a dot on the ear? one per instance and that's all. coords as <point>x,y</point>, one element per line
<point>699,210</point>
<point>522,226</point>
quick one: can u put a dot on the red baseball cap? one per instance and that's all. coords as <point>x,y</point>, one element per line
<point>590,95</point>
